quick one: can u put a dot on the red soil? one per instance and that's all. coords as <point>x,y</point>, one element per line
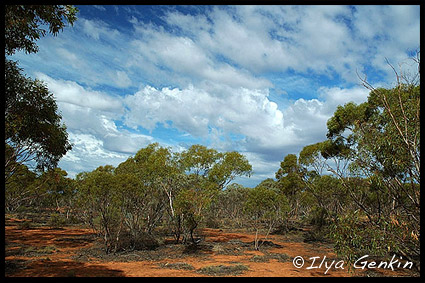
<point>61,263</point>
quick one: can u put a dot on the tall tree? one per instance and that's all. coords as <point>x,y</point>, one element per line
<point>381,140</point>
<point>154,166</point>
<point>33,131</point>
<point>208,172</point>
<point>289,180</point>
<point>33,128</point>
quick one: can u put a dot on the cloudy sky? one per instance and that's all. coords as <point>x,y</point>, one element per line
<point>262,80</point>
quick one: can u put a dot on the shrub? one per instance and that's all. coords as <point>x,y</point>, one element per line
<point>25,225</point>
<point>57,220</point>
<point>221,270</point>
<point>177,265</point>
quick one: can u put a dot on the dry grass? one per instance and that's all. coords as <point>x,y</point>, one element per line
<point>176,265</point>
<point>268,257</point>
<point>223,270</point>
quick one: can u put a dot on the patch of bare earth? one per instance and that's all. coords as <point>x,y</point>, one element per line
<point>73,251</point>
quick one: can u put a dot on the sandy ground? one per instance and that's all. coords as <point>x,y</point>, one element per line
<point>65,243</point>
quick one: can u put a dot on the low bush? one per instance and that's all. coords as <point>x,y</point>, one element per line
<point>222,270</point>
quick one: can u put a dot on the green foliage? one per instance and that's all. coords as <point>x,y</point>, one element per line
<point>25,225</point>
<point>57,221</point>
<point>199,159</point>
<point>371,201</point>
<point>288,166</point>
<point>354,237</point>
<point>119,207</point>
<point>290,181</point>
<point>344,118</point>
<point>160,176</point>
<point>193,202</point>
<point>265,206</point>
<point>23,24</point>
<point>220,168</point>
<point>32,125</point>
<point>318,216</point>
<point>19,188</point>
<point>384,132</point>
<point>189,205</point>
<point>56,189</point>
<point>381,140</point>
<point>311,156</point>
<point>126,204</point>
<point>207,173</point>
<point>329,194</point>
<point>390,132</point>
<point>100,205</point>
<point>232,164</point>
<point>50,190</point>
<point>33,129</point>
<point>227,208</point>
<point>289,175</point>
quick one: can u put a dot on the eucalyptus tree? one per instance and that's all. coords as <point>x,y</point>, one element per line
<point>265,207</point>
<point>290,181</point>
<point>33,129</point>
<point>99,204</point>
<point>208,172</point>
<point>327,191</point>
<point>20,189</point>
<point>228,207</point>
<point>158,173</point>
<point>55,190</point>
<point>229,166</point>
<point>381,140</point>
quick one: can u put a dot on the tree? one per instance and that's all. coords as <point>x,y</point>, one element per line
<point>192,204</point>
<point>381,140</point>
<point>289,180</point>
<point>33,131</point>
<point>20,188</point>
<point>193,201</point>
<point>124,204</point>
<point>56,190</point>
<point>310,156</point>
<point>228,207</point>
<point>22,24</point>
<point>100,204</point>
<point>208,172</point>
<point>265,206</point>
<point>156,169</point>
<point>134,202</point>
<point>199,159</point>
<point>229,166</point>
<point>326,190</point>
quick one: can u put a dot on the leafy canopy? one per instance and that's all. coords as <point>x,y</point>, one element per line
<point>22,24</point>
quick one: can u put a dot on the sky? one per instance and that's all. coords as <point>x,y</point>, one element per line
<point>261,80</point>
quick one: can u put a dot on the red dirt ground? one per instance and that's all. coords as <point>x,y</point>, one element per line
<point>61,262</point>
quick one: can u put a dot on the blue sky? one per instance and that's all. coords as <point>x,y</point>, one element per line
<point>262,80</point>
